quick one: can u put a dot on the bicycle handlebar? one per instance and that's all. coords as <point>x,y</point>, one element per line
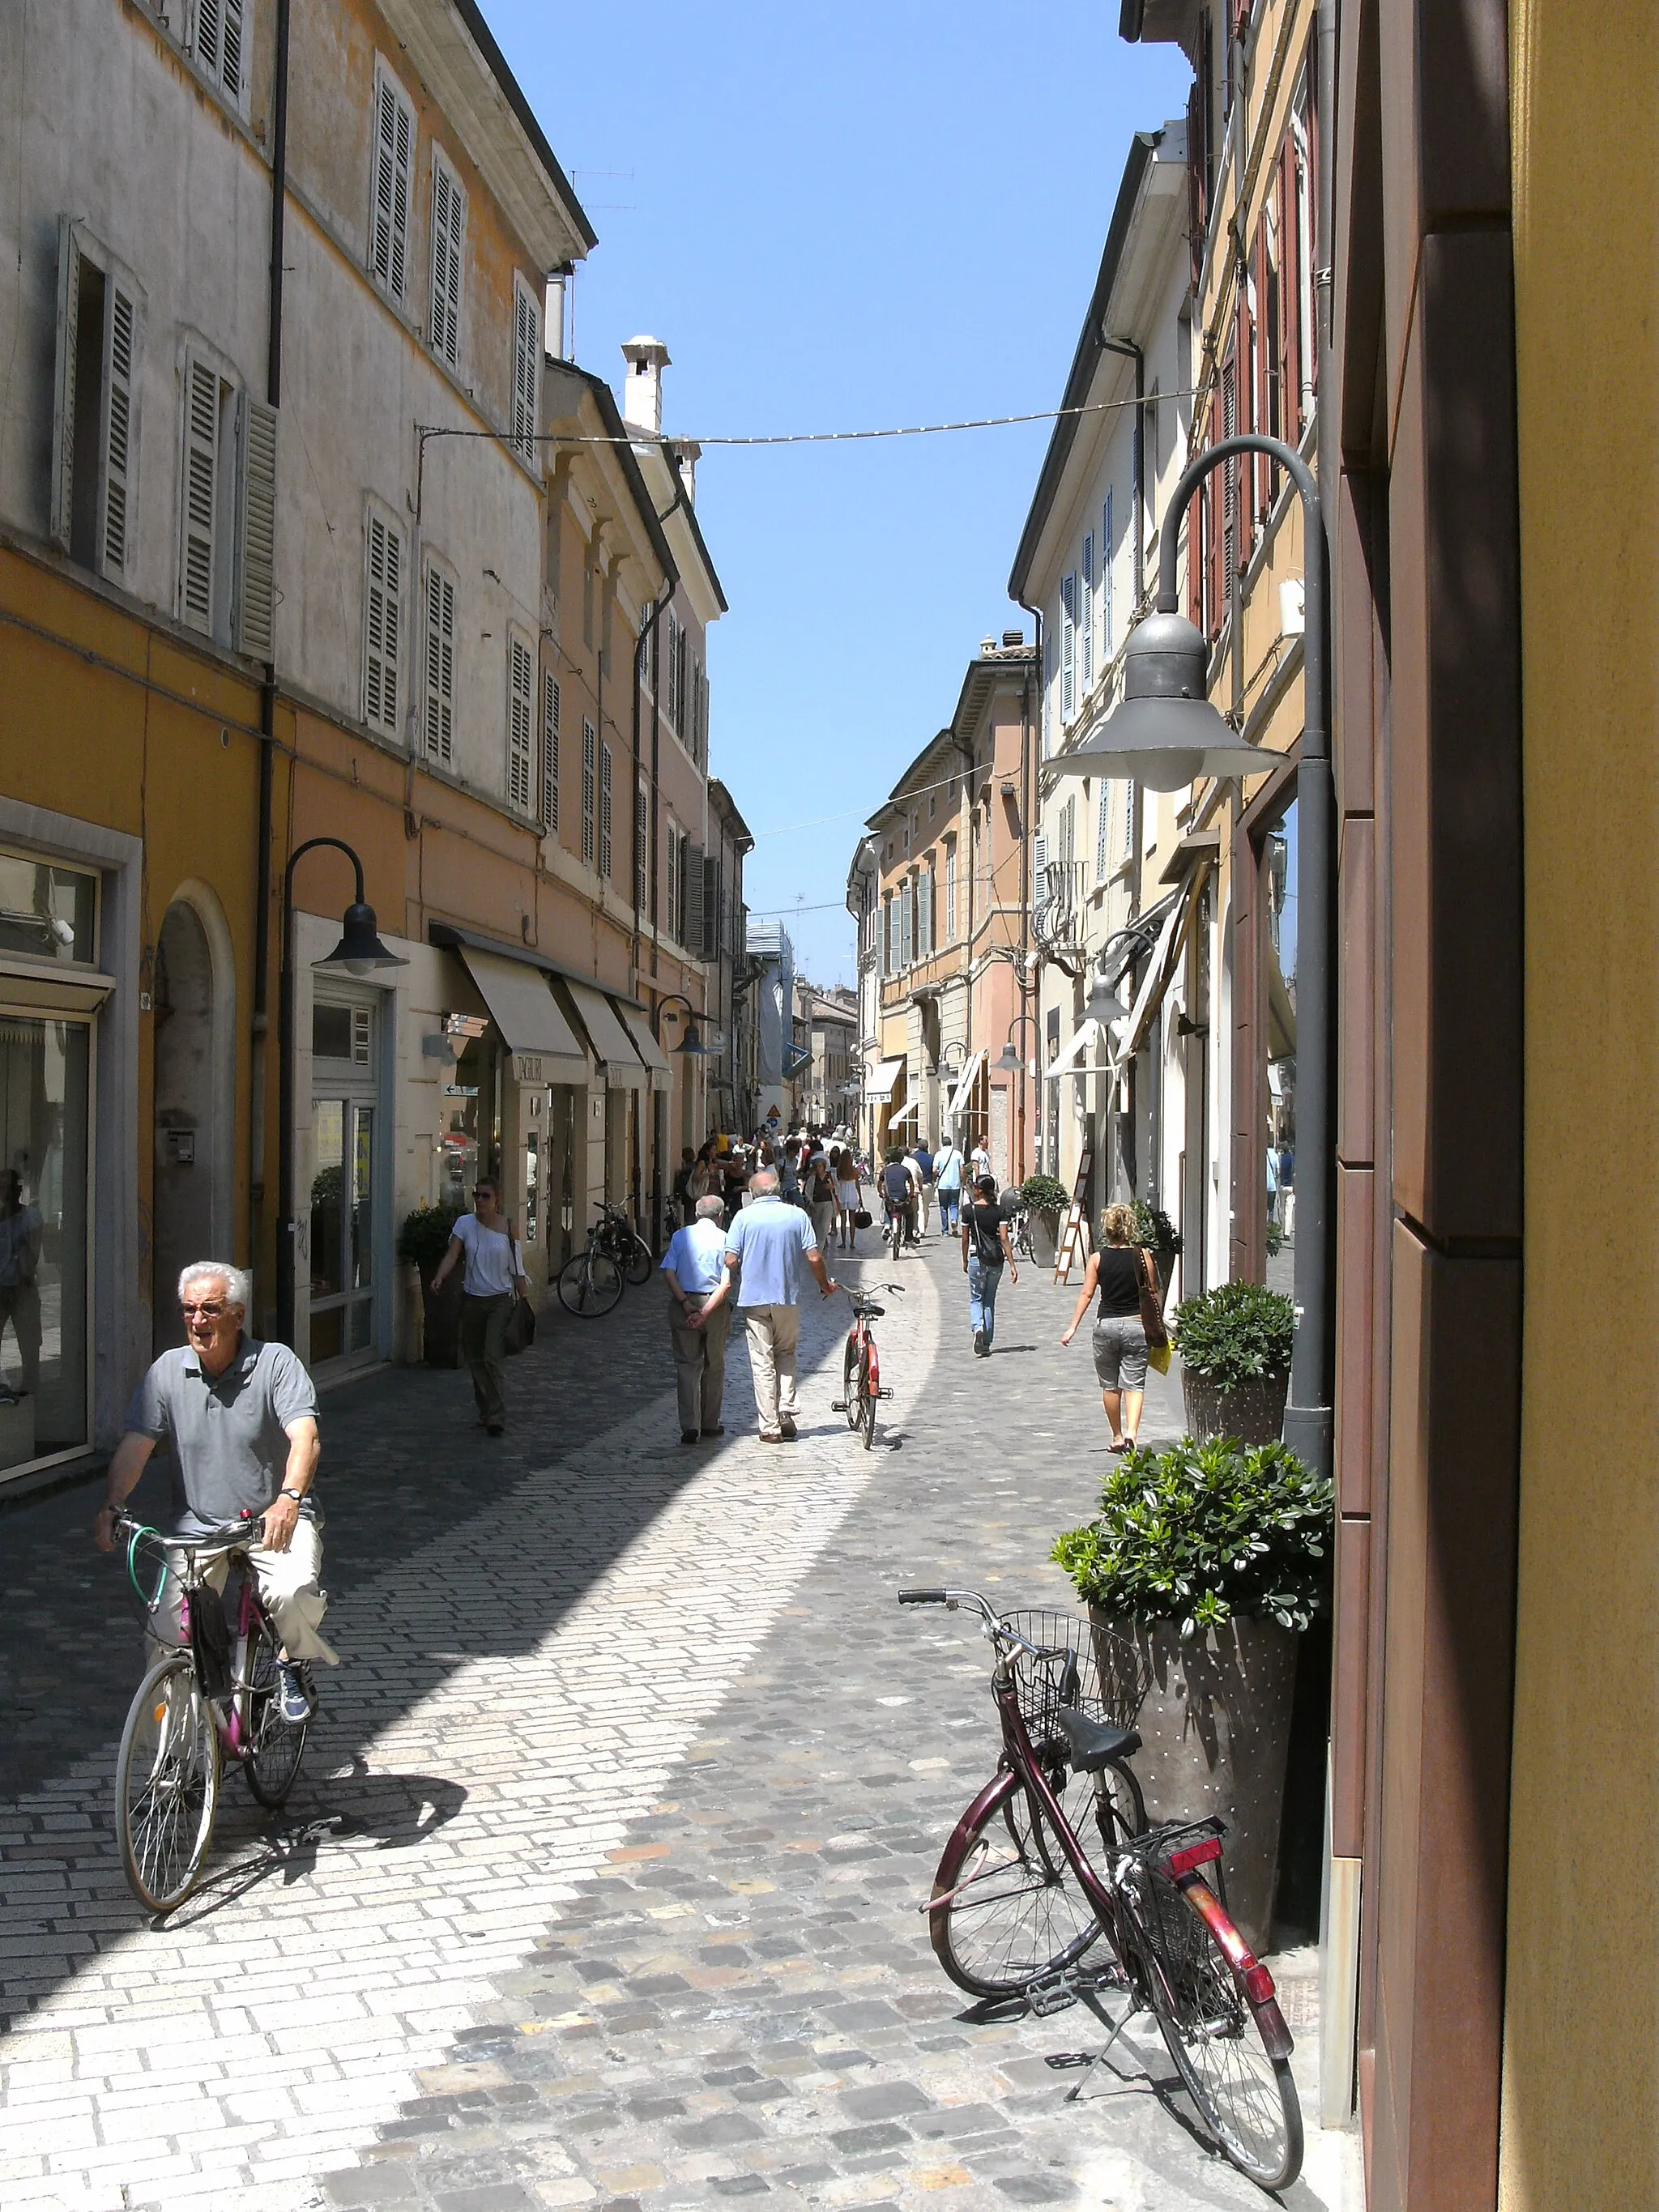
<point>924,1597</point>
<point>995,1623</point>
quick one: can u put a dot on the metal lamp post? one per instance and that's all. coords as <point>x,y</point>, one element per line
<point>1165,734</point>
<point>691,1046</point>
<point>359,952</point>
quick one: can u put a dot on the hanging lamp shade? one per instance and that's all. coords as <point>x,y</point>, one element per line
<point>1163,732</point>
<point>360,950</point>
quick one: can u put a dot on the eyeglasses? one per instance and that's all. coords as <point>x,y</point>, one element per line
<point>209,1308</point>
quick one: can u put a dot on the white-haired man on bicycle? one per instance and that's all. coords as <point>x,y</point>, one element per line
<point>240,1417</point>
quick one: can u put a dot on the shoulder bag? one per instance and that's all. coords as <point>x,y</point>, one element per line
<point>520,1331</point>
<point>1152,1311</point>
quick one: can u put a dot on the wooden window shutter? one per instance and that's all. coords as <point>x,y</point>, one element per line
<point>198,516</point>
<point>642,840</point>
<point>440,667</point>
<point>1290,291</point>
<point>230,53</point>
<point>605,854</point>
<point>695,906</point>
<point>1088,609</point>
<point>520,711</point>
<point>682,695</point>
<point>1100,832</point>
<point>527,348</point>
<point>448,235</point>
<point>1068,646</point>
<point>117,442</point>
<point>550,753</point>
<point>256,537</point>
<point>710,948</point>
<point>925,916</point>
<point>589,789</point>
<point>1107,610</point>
<point>208,39</point>
<point>63,419</point>
<point>394,147</point>
<point>672,881</point>
<point>1039,871</point>
<point>382,595</point>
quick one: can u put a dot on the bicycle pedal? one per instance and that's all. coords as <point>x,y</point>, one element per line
<point>838,1405</point>
<point>886,1392</point>
<point>1045,1997</point>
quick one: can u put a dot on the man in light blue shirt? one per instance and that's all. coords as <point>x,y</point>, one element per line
<point>698,1323</point>
<point>765,1246</point>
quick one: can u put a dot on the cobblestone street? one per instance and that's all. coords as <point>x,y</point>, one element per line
<point>599,1886</point>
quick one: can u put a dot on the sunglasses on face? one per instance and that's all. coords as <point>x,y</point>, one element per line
<point>209,1308</point>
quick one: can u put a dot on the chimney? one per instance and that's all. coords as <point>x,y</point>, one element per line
<point>646,359</point>
<point>687,453</point>
<point>553,312</point>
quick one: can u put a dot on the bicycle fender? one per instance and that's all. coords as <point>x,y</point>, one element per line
<point>1255,1978</point>
<point>949,1858</point>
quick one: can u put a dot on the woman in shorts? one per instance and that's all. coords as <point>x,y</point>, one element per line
<point>1117,1269</point>
<point>849,1196</point>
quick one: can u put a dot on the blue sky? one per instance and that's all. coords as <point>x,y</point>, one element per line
<point>837,218</point>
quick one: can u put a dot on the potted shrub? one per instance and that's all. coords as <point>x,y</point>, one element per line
<point>1046,1198</point>
<point>1235,1345</point>
<point>423,1239</point>
<point>1206,1561</point>
<point>1157,1234</point>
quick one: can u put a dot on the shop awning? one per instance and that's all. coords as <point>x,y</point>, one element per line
<point>958,1102</point>
<point>612,1046</point>
<point>878,1083</point>
<point>637,1023</point>
<point>529,1018</point>
<point>1132,1030</point>
<point>905,1113</point>
<point>1070,1059</point>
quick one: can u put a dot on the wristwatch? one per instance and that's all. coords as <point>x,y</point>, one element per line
<point>298,1496</point>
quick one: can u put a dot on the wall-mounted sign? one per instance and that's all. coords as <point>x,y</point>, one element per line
<point>181,1148</point>
<point>460,1091</point>
<point>527,1068</point>
<point>464,1025</point>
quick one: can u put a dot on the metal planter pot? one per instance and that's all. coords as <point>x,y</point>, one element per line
<point>440,1319</point>
<point>1045,1237</point>
<point>1215,1715</point>
<point>1252,1412</point>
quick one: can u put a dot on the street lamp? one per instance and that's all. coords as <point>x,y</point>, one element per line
<point>1165,734</point>
<point>359,952</point>
<point>691,1046</point>
<point>1008,1061</point>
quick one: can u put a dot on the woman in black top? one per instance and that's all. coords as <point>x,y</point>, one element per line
<point>985,1248</point>
<point>1116,1270</point>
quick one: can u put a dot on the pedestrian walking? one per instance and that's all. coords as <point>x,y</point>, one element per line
<point>925,1169</point>
<point>822,1201</point>
<point>683,1199</point>
<point>896,1193</point>
<point>485,1245</point>
<point>765,1246</point>
<point>948,1169</point>
<point>694,1264</point>
<point>985,1252</point>
<point>913,1209</point>
<point>1117,1269</point>
<point>849,1194</point>
<point>979,1162</point>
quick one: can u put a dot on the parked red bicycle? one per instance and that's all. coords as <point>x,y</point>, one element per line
<point>861,1367</point>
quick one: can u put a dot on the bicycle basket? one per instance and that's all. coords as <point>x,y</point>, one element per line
<point>1099,1674</point>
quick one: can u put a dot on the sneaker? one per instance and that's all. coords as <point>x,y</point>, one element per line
<point>687,1436</point>
<point>719,1430</point>
<point>787,1429</point>
<point>978,1343</point>
<point>296,1700</point>
<point>495,1428</point>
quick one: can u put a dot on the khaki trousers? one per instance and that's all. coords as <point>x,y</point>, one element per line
<point>290,1583</point>
<point>700,1369</point>
<point>774,1334</point>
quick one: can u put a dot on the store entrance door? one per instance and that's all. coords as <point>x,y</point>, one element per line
<point>346,1131</point>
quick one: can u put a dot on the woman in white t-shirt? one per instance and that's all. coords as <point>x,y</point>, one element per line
<point>486,1244</point>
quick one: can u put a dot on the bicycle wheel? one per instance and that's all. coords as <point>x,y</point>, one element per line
<point>1244,2096</point>
<point>590,1284</point>
<point>851,1384</point>
<point>1014,1912</point>
<point>167,1785</point>
<point>273,1761</point>
<point>639,1259</point>
<point>868,1392</point>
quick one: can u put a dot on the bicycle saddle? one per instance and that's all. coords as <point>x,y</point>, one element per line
<point>874,1313</point>
<point>1093,1742</point>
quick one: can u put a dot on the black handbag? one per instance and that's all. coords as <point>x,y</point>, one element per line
<point>861,1219</point>
<point>520,1331</point>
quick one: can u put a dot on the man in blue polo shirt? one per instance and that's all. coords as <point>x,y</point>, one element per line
<point>764,1249</point>
<point>694,1264</point>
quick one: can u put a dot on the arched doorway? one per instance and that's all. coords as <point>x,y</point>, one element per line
<point>190,1210</point>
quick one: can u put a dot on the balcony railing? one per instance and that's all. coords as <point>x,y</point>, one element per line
<point>1057,904</point>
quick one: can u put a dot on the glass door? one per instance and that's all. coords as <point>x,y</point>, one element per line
<point>342,1283</point>
<point>45,1095</point>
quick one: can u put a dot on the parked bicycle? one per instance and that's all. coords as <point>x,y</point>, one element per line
<point>892,1233</point>
<point>216,1696</point>
<point>1018,1908</point>
<point>860,1367</point>
<point>591,1281</point>
<point>1019,1236</point>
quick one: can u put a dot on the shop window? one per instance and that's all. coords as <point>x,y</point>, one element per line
<point>43,1237</point>
<point>47,912</point>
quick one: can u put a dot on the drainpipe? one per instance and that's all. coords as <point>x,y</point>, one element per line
<point>1138,797</point>
<point>1035,671</point>
<point>261,1023</point>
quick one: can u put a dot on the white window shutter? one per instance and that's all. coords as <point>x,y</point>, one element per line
<point>63,422</point>
<point>526,363</point>
<point>550,753</point>
<point>589,789</point>
<point>1108,547</point>
<point>229,71</point>
<point>695,907</point>
<point>448,236</point>
<point>520,710</point>
<point>1068,647</point>
<point>1039,871</point>
<point>198,506</point>
<point>641,847</point>
<point>604,812</point>
<point>394,147</point>
<point>1100,832</point>
<point>209,35</point>
<point>256,542</point>
<point>671,882</point>
<point>439,618</point>
<point>117,441</point>
<point>382,601</point>
<point>1088,609</point>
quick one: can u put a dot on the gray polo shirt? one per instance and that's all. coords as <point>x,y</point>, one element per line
<point>230,1435</point>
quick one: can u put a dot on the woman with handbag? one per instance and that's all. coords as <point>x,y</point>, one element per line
<point>1128,1325</point>
<point>849,1194</point>
<point>486,1244</point>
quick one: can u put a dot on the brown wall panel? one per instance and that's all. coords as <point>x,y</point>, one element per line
<point>1354,643</point>
<point>1356,1067</point>
<point>1350,1665</point>
<point>1356,1215</point>
<point>1455,784</point>
<point>1446,1716</point>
